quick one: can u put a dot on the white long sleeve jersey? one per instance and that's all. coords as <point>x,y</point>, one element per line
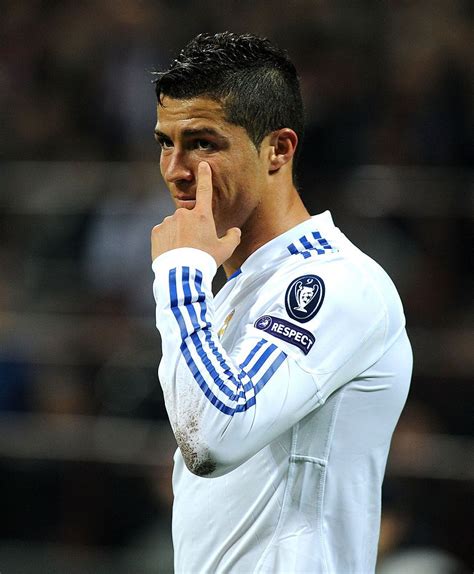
<point>283,392</point>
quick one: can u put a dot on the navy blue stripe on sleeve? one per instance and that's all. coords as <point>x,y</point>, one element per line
<point>226,388</point>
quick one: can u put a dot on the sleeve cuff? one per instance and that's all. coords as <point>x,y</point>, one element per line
<point>185,256</point>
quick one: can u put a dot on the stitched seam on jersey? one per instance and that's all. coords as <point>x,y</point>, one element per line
<point>240,390</point>
<point>311,459</point>
<point>367,336</point>
<point>376,288</point>
<point>327,451</point>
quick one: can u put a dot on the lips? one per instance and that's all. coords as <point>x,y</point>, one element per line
<point>185,201</point>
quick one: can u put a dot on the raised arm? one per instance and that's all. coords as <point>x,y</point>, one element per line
<point>223,407</point>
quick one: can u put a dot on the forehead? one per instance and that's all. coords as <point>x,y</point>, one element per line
<point>185,112</point>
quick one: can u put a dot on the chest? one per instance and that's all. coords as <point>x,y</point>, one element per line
<point>236,310</point>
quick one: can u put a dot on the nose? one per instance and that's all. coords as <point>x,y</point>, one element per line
<point>176,169</point>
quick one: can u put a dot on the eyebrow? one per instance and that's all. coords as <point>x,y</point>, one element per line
<point>193,132</point>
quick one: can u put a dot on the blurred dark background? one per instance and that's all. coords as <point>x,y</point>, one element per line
<point>85,448</point>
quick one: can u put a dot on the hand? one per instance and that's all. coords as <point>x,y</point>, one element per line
<point>195,227</point>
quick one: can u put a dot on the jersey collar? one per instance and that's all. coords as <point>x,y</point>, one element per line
<point>268,254</point>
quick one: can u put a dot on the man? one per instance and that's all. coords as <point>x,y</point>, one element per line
<point>283,391</point>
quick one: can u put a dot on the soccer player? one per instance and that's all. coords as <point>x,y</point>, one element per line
<point>283,391</point>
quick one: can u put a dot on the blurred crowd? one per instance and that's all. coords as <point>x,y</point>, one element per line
<point>388,89</point>
<point>385,83</point>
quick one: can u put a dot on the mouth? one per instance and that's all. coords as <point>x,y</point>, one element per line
<point>185,201</point>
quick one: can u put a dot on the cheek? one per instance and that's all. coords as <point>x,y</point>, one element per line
<point>220,176</point>
<point>162,165</point>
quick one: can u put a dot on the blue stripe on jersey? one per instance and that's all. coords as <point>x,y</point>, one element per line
<point>258,365</point>
<point>210,368</point>
<point>186,288</point>
<point>310,245</point>
<point>198,283</point>
<point>252,353</point>
<point>184,334</point>
<point>268,374</point>
<point>210,341</point>
<point>264,356</point>
<point>238,393</point>
<point>293,249</point>
<point>201,298</point>
<point>323,242</point>
<point>174,303</point>
<point>227,370</point>
<point>240,407</point>
<point>306,243</point>
<point>202,383</point>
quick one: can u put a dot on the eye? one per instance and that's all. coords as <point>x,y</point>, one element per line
<point>164,143</point>
<point>204,145</point>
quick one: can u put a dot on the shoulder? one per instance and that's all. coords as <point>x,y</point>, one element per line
<point>339,299</point>
<point>305,288</point>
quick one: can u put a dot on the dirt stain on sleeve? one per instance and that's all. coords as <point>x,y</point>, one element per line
<point>196,456</point>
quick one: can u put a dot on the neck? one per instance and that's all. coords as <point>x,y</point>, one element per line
<point>269,220</point>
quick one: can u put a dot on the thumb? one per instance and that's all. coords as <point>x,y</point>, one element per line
<point>232,237</point>
<point>227,245</point>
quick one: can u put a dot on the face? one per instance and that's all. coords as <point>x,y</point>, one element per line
<point>190,131</point>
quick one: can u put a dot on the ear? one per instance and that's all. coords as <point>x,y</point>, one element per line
<point>282,148</point>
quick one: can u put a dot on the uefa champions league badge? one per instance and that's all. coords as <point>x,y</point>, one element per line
<point>304,297</point>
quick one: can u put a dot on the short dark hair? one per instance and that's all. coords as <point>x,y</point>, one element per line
<point>255,81</point>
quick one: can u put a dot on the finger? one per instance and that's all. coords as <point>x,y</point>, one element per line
<point>204,187</point>
<point>232,237</point>
<point>227,245</point>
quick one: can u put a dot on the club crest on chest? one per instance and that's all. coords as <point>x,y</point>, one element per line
<point>225,324</point>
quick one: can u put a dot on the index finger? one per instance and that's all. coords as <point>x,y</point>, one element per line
<point>204,187</point>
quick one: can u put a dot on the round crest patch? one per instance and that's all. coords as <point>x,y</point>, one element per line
<point>304,297</point>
